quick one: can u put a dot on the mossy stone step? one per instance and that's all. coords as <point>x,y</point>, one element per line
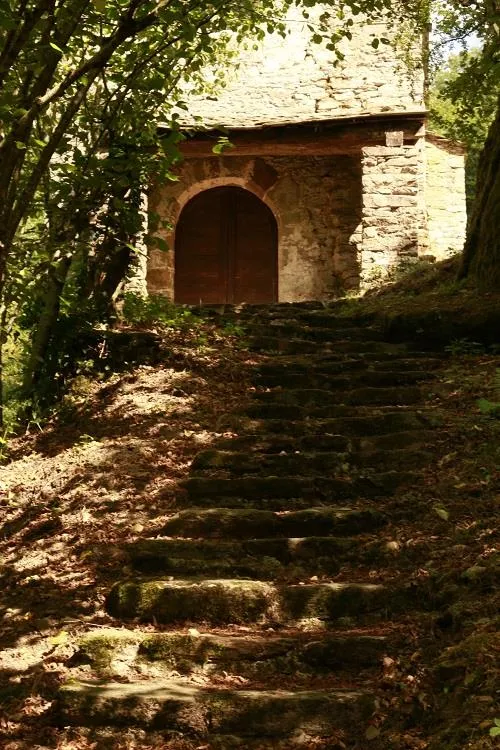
<point>295,413</point>
<point>226,601</point>
<point>291,493</point>
<point>303,332</point>
<point>252,656</point>
<point>254,443</point>
<point>325,381</point>
<point>264,559</point>
<point>397,396</point>
<point>338,364</point>
<point>312,413</point>
<point>281,308</point>
<point>251,523</point>
<point>325,463</point>
<point>257,443</point>
<point>302,346</point>
<point>325,318</point>
<point>180,706</point>
<point>377,423</point>
<point>257,655</point>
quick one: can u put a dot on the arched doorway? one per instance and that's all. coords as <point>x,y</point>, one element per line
<point>226,249</point>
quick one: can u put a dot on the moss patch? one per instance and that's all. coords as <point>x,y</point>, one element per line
<point>100,647</point>
<point>218,601</point>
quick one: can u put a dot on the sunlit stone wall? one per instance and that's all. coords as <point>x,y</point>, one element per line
<point>293,79</point>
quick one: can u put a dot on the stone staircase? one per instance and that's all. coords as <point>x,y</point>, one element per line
<point>261,613</point>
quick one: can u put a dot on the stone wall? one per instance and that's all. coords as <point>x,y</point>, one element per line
<point>343,221</point>
<point>394,218</point>
<point>317,204</point>
<point>292,79</point>
<point>445,196</point>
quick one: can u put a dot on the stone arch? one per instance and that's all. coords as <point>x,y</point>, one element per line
<point>196,176</point>
<point>224,181</point>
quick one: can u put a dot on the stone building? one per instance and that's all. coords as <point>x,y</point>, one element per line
<point>331,180</point>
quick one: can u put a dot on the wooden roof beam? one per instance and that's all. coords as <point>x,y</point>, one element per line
<point>303,141</point>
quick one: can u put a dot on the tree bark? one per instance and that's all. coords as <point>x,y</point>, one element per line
<point>481,254</point>
<point>45,325</point>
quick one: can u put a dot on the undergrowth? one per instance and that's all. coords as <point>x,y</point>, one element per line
<point>156,310</point>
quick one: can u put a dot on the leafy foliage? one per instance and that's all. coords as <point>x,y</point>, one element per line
<point>155,310</point>
<point>84,89</point>
<point>478,78</point>
<point>463,101</point>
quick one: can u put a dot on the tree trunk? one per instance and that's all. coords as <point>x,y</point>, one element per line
<point>45,326</point>
<point>481,255</point>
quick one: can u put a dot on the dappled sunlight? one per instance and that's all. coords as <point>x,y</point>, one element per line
<point>83,487</point>
<point>293,550</point>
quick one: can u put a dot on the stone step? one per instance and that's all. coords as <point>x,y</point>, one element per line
<point>323,412</point>
<point>302,346</point>
<point>290,493</point>
<point>338,364</point>
<point>325,463</point>
<point>322,440</point>
<point>280,308</point>
<point>236,601</point>
<point>326,318</point>
<point>257,443</point>
<point>300,330</point>
<point>264,559</point>
<point>178,705</point>
<point>322,381</point>
<point>250,655</point>
<point>262,655</point>
<point>294,413</point>
<point>397,396</point>
<point>251,523</point>
<point>350,423</point>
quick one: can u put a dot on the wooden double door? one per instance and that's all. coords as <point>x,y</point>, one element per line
<point>226,249</point>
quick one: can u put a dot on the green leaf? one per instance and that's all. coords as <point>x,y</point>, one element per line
<point>495,731</point>
<point>488,407</point>
<point>100,5</point>
<point>58,49</point>
<point>7,23</point>
<point>222,144</point>
<point>372,732</point>
<point>375,43</point>
<point>441,512</point>
<point>20,145</point>
<point>60,639</point>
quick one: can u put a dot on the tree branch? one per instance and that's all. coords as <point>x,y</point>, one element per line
<point>44,160</point>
